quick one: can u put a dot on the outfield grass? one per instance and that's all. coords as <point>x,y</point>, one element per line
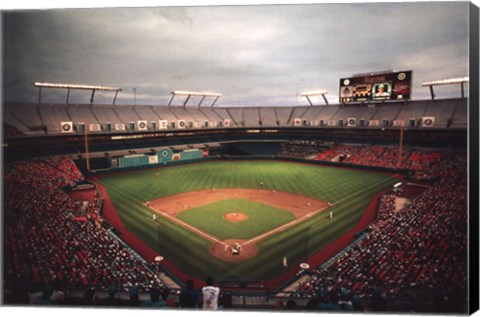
<point>261,218</point>
<point>348,189</point>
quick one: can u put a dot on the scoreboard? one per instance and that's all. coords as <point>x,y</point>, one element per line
<point>382,86</point>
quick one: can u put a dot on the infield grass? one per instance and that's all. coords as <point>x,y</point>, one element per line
<point>350,191</point>
<point>261,218</point>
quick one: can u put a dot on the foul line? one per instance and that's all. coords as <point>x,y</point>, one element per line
<point>285,226</point>
<point>177,221</point>
<point>184,224</point>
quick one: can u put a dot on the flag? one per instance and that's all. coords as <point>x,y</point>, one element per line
<point>95,127</point>
<point>142,125</point>
<point>398,123</point>
<point>162,124</point>
<point>67,126</point>
<point>428,121</point>
<point>181,124</point>
<point>119,126</point>
<point>373,123</point>
<point>297,122</point>
<point>351,122</point>
<point>331,122</point>
<point>226,122</point>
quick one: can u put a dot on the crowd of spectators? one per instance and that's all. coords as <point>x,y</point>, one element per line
<point>46,250</point>
<point>301,148</point>
<point>413,260</point>
<point>421,161</point>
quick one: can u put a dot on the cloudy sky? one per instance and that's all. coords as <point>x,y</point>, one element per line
<point>255,55</point>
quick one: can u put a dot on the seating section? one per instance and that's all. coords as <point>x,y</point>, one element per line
<point>422,161</point>
<point>413,260</point>
<point>47,240</point>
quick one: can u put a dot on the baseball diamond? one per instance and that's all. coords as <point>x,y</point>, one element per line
<point>285,215</point>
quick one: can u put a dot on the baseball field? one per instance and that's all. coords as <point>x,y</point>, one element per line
<point>239,219</point>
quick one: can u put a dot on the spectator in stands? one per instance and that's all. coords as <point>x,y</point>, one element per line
<point>210,295</point>
<point>166,299</point>
<point>44,299</point>
<point>278,305</point>
<point>377,300</point>
<point>188,297</point>
<point>134,298</point>
<point>226,300</point>
<point>111,299</point>
<point>154,300</point>
<point>89,298</point>
<point>291,305</point>
<point>58,295</point>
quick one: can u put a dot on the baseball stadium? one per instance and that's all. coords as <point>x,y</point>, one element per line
<point>359,204</point>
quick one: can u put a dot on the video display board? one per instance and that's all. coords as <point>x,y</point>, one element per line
<point>385,86</point>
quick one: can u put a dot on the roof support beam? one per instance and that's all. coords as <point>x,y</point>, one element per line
<point>449,81</point>
<point>189,94</point>
<point>315,93</point>
<point>93,88</point>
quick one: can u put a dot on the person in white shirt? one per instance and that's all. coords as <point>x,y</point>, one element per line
<point>210,295</point>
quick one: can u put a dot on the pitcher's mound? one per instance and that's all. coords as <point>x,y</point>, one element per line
<point>225,250</point>
<point>235,216</point>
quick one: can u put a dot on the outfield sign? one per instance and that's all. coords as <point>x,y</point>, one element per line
<point>67,126</point>
<point>428,122</point>
<point>152,159</point>
<point>162,124</point>
<point>142,125</point>
<point>120,126</point>
<point>94,127</point>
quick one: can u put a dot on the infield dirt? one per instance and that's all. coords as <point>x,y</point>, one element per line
<point>299,205</point>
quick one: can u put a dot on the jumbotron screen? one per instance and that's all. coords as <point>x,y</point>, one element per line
<point>384,86</point>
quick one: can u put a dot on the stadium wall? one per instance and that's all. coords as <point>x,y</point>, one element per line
<point>28,147</point>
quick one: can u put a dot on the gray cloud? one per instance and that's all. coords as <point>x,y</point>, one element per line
<point>254,55</point>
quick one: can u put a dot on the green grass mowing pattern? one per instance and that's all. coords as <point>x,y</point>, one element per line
<point>329,184</point>
<point>350,188</point>
<point>261,218</point>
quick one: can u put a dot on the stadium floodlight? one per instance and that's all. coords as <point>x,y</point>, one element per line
<point>74,86</point>
<point>315,93</point>
<point>93,88</point>
<point>448,81</point>
<point>194,93</point>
